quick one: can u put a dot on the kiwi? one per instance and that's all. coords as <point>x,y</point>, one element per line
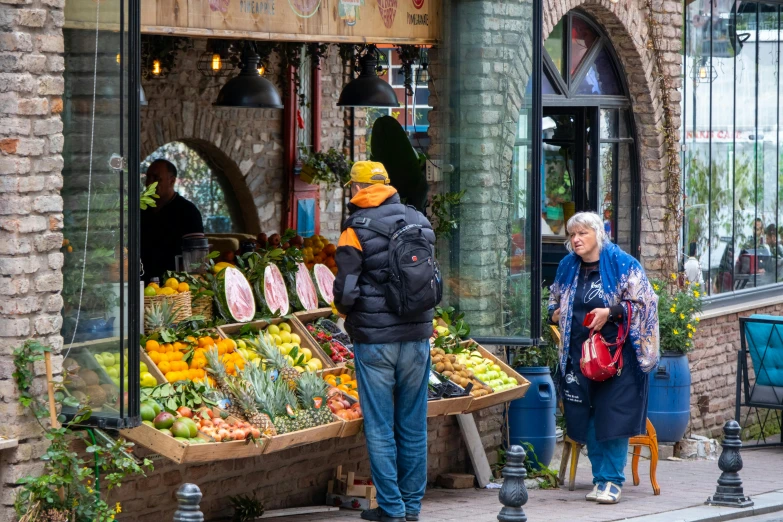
<point>96,395</point>
<point>79,396</point>
<point>440,367</point>
<point>75,382</point>
<point>90,377</point>
<point>449,366</point>
<point>447,373</point>
<point>70,365</point>
<point>112,393</point>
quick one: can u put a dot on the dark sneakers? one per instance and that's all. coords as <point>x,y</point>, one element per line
<point>412,517</point>
<point>379,515</point>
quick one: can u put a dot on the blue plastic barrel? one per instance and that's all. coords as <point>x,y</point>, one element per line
<point>532,418</point>
<point>669,406</point>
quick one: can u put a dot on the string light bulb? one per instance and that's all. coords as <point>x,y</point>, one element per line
<point>156,67</point>
<point>118,57</point>
<point>702,73</point>
<point>216,65</point>
<point>261,69</point>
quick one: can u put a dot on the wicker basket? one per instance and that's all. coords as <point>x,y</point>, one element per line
<point>203,306</point>
<point>180,302</point>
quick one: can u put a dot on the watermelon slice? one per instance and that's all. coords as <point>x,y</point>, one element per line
<point>324,282</point>
<point>301,290</point>
<point>271,292</point>
<point>234,296</point>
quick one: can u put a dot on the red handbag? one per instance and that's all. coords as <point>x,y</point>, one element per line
<point>597,362</point>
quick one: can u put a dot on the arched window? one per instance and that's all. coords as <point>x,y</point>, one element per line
<point>589,153</point>
<point>203,184</point>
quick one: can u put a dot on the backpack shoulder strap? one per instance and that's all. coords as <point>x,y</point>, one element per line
<point>370,224</point>
<point>411,215</point>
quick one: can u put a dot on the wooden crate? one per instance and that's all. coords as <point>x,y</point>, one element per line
<point>303,437</point>
<point>352,427</point>
<point>182,453</point>
<point>305,318</point>
<point>346,485</point>
<point>228,330</point>
<point>479,403</point>
<point>454,406</point>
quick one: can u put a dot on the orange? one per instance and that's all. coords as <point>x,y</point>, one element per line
<point>164,367</point>
<point>152,345</point>
<point>171,283</point>
<point>179,346</point>
<point>206,341</point>
<point>191,339</point>
<point>156,357</point>
<point>154,285</point>
<point>171,376</point>
<point>232,343</point>
<point>183,287</point>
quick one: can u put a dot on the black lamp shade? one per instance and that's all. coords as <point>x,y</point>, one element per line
<point>368,90</point>
<point>249,89</point>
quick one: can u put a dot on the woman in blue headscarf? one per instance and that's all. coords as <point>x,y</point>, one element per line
<point>598,278</point>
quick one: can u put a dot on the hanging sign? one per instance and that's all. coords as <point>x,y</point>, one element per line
<point>359,21</point>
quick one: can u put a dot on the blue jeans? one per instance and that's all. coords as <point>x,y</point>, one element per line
<point>607,457</point>
<point>392,382</point>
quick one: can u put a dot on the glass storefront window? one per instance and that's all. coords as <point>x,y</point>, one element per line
<point>731,159</point>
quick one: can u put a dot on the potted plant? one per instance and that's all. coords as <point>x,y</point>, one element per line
<point>531,419</point>
<point>324,167</point>
<point>670,384</point>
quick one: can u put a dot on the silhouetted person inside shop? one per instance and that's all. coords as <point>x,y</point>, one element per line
<point>164,225</point>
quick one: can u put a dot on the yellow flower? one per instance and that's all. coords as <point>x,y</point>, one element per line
<point>697,319</point>
<point>89,489</point>
<point>672,309</point>
<point>118,508</point>
<point>697,285</point>
<point>690,335</point>
<point>690,326</point>
<point>656,287</point>
<point>674,277</point>
<point>676,332</point>
<point>695,293</point>
<point>682,316</point>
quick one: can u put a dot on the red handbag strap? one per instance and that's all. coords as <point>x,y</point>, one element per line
<point>622,333</point>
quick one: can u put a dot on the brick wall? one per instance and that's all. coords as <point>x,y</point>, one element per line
<point>713,365</point>
<point>296,477</point>
<point>31,219</point>
<point>245,145</point>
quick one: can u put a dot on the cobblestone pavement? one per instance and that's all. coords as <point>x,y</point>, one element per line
<point>683,484</point>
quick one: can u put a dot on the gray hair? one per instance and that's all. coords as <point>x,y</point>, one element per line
<point>587,220</point>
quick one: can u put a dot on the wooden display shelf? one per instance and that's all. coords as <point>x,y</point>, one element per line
<point>305,318</point>
<point>183,453</point>
<point>303,437</point>
<point>453,406</point>
<point>352,427</point>
<point>479,403</point>
<point>229,330</point>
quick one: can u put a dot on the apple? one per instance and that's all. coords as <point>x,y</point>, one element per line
<point>108,359</point>
<point>113,372</point>
<point>99,359</point>
<point>143,367</point>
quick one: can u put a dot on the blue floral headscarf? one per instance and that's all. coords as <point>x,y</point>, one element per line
<point>623,279</point>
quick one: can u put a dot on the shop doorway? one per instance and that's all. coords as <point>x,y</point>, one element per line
<point>589,153</point>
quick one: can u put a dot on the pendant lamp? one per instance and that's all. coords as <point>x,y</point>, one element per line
<point>368,90</point>
<point>249,89</point>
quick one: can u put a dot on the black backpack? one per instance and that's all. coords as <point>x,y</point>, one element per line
<point>414,281</point>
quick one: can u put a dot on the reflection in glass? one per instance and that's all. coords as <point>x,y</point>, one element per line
<point>582,39</point>
<point>600,78</point>
<point>624,208</point>
<point>554,45</point>
<point>605,182</point>
<point>557,183</point>
<point>608,123</point>
<point>546,86</point>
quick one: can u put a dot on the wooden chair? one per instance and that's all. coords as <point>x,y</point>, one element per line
<point>572,449</point>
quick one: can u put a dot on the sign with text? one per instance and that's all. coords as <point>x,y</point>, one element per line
<point>358,21</point>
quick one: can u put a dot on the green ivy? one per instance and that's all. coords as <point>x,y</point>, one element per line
<point>68,489</point>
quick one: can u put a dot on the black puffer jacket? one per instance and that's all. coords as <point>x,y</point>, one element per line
<point>363,254</point>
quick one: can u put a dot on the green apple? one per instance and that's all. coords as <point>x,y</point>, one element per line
<point>434,323</point>
<point>113,372</point>
<point>116,381</point>
<point>99,359</point>
<point>108,358</point>
<point>497,367</point>
<point>143,367</point>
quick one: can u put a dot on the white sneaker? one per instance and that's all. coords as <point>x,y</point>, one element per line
<point>593,495</point>
<point>610,494</point>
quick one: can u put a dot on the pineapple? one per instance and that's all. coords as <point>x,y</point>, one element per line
<point>274,358</point>
<point>246,400</point>
<point>218,369</point>
<point>312,397</point>
<point>282,408</point>
<point>158,317</point>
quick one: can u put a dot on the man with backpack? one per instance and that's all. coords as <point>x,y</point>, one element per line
<point>387,286</point>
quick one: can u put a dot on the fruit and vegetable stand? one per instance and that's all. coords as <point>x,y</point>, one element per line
<point>273,369</point>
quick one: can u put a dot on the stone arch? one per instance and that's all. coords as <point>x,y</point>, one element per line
<point>625,24</point>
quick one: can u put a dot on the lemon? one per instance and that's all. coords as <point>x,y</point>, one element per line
<point>306,353</point>
<point>299,369</point>
<point>150,291</point>
<point>286,348</point>
<point>277,339</point>
<point>295,339</point>
<point>272,330</point>
<point>290,360</point>
<point>171,283</point>
<point>241,343</point>
<point>143,368</point>
<point>314,365</point>
<point>148,380</point>
<point>167,291</point>
<point>285,336</point>
<point>286,327</point>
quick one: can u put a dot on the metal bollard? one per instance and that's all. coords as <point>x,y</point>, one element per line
<point>729,491</point>
<point>513,493</point>
<point>188,498</point>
